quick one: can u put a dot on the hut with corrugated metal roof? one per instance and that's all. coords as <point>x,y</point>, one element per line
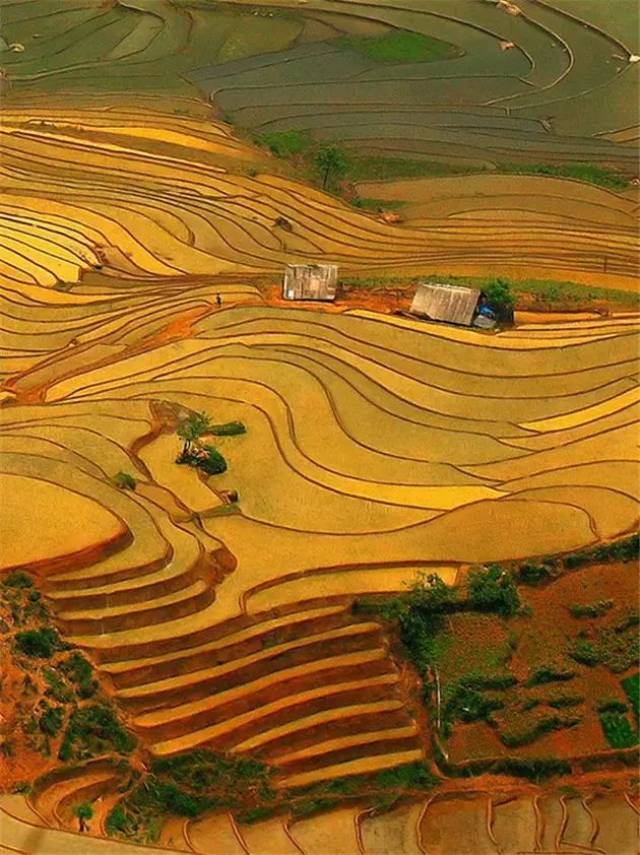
<point>310,282</point>
<point>453,304</point>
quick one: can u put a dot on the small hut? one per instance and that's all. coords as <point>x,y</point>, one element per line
<point>453,304</point>
<point>310,282</point>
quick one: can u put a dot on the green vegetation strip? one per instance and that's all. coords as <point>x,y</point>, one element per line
<point>399,46</point>
<point>546,291</point>
<point>586,172</point>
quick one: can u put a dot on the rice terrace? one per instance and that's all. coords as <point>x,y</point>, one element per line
<point>319,418</point>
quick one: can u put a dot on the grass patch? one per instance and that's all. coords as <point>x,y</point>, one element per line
<point>587,172</point>
<point>284,143</point>
<point>376,167</point>
<point>399,46</point>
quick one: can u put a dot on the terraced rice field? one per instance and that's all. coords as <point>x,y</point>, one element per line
<point>136,229</point>
<point>405,449</point>
<point>510,822</point>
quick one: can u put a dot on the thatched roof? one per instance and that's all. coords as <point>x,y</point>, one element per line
<point>451,303</point>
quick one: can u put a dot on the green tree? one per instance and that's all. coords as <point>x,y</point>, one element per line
<point>499,297</point>
<point>331,163</point>
<point>191,429</point>
<point>83,813</point>
<point>493,589</point>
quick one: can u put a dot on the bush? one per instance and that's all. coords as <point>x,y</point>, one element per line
<point>95,730</point>
<point>254,814</point>
<point>56,687</point>
<point>38,643</point>
<point>207,458</point>
<point>467,704</point>
<point>515,738</point>
<point>563,701</point>
<point>612,705</point>
<point>593,610</point>
<point>500,298</point>
<point>534,574</point>
<point>618,730</point>
<point>534,769</point>
<point>489,681</point>
<point>631,687</point>
<point>493,589</point>
<point>410,776</point>
<point>228,429</point>
<point>124,481</point>
<point>51,720</point>
<point>550,674</point>
<point>584,652</point>
<point>80,672</point>
<point>625,549</point>
<point>17,579</point>
<point>214,463</point>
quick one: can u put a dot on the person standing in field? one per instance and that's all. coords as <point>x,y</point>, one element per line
<point>218,301</point>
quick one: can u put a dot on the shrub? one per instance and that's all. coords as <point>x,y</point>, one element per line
<point>51,720</point>
<point>38,643</point>
<point>80,672</point>
<point>618,730</point>
<point>534,574</point>
<point>584,651</point>
<point>17,579</point>
<point>563,701</point>
<point>467,704</point>
<point>550,674</point>
<point>612,705</point>
<point>310,807</point>
<point>500,297</point>
<point>493,589</point>
<point>538,769</point>
<point>515,738</point>
<point>625,549</point>
<point>593,610</point>
<point>56,687</point>
<point>95,730</point>
<point>124,481</point>
<point>214,463</point>
<point>410,776</point>
<point>116,822</point>
<point>254,814</point>
<point>489,681</point>
<point>631,687</point>
<point>228,429</point>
